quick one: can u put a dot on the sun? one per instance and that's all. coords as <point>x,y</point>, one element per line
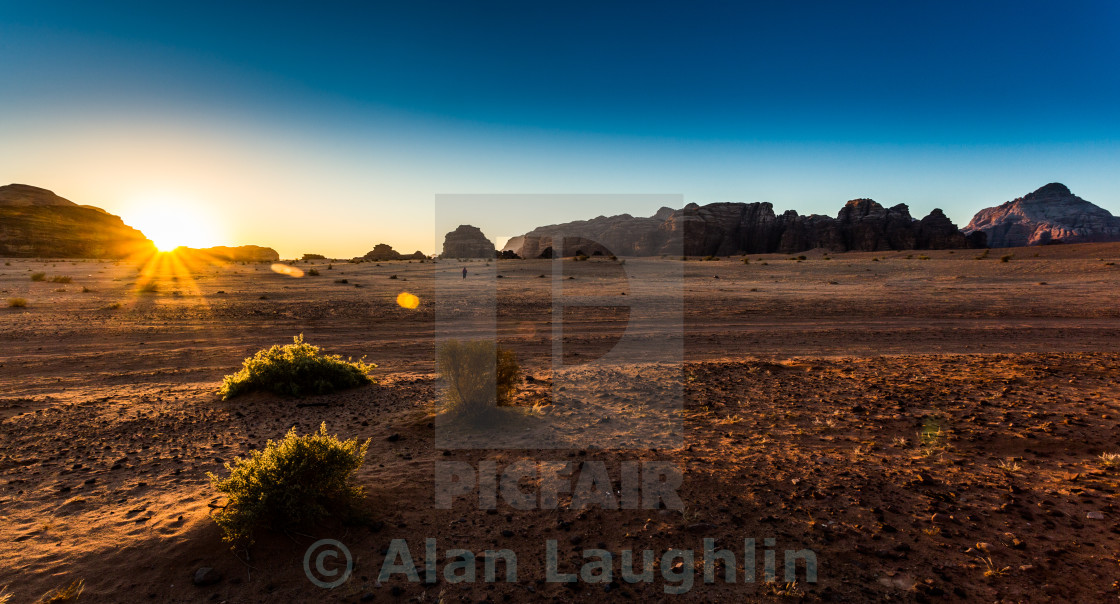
<point>171,224</point>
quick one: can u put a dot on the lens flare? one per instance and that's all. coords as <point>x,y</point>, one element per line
<point>407,300</point>
<point>284,269</point>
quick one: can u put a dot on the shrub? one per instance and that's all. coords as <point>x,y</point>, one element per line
<point>1006,258</point>
<point>295,369</point>
<point>149,288</point>
<point>312,273</point>
<point>17,302</point>
<point>38,276</point>
<point>61,279</point>
<point>581,258</point>
<point>296,481</point>
<point>480,376</point>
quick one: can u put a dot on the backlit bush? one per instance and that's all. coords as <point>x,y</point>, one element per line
<point>295,369</point>
<point>297,481</point>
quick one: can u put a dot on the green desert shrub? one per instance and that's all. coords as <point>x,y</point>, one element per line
<point>297,481</point>
<point>480,376</point>
<point>17,302</point>
<point>38,276</point>
<point>296,369</point>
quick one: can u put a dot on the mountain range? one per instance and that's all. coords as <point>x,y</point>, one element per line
<point>34,222</point>
<point>1049,215</point>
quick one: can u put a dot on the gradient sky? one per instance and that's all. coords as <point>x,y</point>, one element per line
<point>329,129</point>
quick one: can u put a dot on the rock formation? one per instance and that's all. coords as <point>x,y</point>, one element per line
<point>37,223</point>
<point>383,252</point>
<point>242,253</point>
<point>724,229</point>
<point>467,241</point>
<point>1052,214</point>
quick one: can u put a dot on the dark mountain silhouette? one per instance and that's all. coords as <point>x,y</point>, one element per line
<point>37,223</point>
<point>724,229</point>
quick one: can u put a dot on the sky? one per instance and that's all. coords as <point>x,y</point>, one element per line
<point>329,128</point>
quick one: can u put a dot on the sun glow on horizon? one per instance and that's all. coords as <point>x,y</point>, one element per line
<point>171,223</point>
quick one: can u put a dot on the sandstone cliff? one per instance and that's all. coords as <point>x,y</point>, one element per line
<point>724,229</point>
<point>37,223</point>
<point>1052,214</point>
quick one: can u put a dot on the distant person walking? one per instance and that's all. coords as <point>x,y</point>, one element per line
<point>464,272</point>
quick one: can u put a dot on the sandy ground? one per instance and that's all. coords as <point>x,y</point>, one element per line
<point>928,423</point>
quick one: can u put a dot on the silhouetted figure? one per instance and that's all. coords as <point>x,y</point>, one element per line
<point>464,272</point>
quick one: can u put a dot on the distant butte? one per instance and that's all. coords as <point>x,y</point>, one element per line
<point>467,241</point>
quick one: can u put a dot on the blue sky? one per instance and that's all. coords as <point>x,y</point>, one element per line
<point>329,129</point>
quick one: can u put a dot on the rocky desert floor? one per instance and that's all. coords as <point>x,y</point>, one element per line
<point>930,424</point>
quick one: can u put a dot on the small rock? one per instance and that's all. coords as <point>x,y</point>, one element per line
<point>206,576</point>
<point>1095,515</point>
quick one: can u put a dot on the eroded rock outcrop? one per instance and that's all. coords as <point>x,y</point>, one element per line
<point>1052,214</point>
<point>724,229</point>
<point>241,253</point>
<point>383,252</point>
<point>468,241</point>
<point>35,222</point>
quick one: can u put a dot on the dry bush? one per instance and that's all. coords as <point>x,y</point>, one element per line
<point>297,481</point>
<point>1110,461</point>
<point>17,302</point>
<point>480,376</point>
<point>61,279</point>
<point>38,276</point>
<point>69,593</point>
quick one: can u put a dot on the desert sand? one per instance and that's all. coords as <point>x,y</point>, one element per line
<point>929,423</point>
